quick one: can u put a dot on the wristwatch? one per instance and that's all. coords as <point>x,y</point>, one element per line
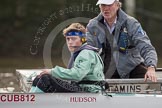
<point>152,66</point>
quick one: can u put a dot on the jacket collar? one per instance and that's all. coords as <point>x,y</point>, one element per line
<point>75,54</point>
<point>121,17</point>
<point>86,46</point>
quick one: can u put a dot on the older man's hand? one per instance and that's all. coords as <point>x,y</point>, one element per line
<point>151,74</point>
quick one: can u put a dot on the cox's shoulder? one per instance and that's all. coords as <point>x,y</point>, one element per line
<point>87,51</point>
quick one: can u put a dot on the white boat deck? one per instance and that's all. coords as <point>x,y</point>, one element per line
<point>115,85</point>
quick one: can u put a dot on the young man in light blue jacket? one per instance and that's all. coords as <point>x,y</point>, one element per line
<point>84,72</point>
<point>125,47</point>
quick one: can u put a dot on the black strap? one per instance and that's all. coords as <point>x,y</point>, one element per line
<point>99,83</point>
<point>103,84</point>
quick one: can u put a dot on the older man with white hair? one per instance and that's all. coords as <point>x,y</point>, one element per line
<point>125,47</point>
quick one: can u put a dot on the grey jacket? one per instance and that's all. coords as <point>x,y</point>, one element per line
<point>123,50</point>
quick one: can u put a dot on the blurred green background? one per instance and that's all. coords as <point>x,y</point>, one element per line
<point>26,24</point>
